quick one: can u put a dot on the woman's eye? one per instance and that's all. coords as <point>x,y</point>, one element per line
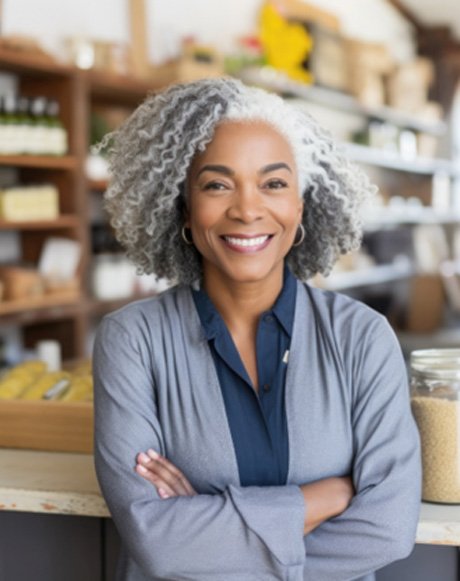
<point>214,186</point>
<point>276,184</point>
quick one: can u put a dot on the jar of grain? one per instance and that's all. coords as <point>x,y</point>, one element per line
<point>435,399</point>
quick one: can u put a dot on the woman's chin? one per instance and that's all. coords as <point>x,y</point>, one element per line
<point>248,273</point>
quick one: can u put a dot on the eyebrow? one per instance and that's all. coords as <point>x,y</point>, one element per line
<point>223,169</point>
<point>216,168</point>
<point>274,166</point>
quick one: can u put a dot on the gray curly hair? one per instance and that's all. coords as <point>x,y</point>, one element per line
<point>151,153</point>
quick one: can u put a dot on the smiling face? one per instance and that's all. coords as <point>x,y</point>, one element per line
<point>243,202</point>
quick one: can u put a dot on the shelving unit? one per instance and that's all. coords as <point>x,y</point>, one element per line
<point>442,339</point>
<point>62,222</point>
<point>97,185</point>
<point>67,162</point>
<point>411,171</point>
<point>98,308</point>
<point>383,217</point>
<point>392,160</point>
<point>271,79</point>
<point>104,90</point>
<point>380,274</point>
<point>64,317</point>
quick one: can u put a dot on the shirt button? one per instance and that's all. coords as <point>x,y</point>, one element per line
<point>269,319</point>
<point>266,387</point>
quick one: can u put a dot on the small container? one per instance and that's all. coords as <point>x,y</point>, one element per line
<point>435,388</point>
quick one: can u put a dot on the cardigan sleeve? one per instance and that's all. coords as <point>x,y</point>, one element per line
<point>241,533</point>
<point>380,524</point>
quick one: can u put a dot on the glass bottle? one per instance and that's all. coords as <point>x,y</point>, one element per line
<point>10,130</point>
<point>39,128</point>
<point>58,142</point>
<point>3,131</point>
<point>435,388</point>
<point>24,126</point>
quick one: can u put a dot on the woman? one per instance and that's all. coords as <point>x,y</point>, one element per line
<point>247,425</point>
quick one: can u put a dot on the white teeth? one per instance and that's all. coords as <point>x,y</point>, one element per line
<point>246,241</point>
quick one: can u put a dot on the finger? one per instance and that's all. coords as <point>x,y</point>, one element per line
<point>162,487</point>
<point>177,474</point>
<point>167,472</point>
<point>164,470</point>
<point>161,476</point>
<point>148,470</point>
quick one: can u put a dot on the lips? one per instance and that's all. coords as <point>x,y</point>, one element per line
<point>247,244</point>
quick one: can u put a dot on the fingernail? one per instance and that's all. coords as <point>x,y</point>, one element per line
<point>143,457</point>
<point>141,468</point>
<point>163,493</point>
<point>153,454</point>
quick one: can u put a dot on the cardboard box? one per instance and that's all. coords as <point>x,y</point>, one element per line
<point>368,88</point>
<point>372,57</point>
<point>367,65</point>
<point>328,60</point>
<point>304,12</point>
<point>21,283</point>
<point>47,425</point>
<point>409,84</point>
<point>426,304</point>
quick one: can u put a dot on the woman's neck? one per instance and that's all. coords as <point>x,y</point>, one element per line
<point>241,303</point>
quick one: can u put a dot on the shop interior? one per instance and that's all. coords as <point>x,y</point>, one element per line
<point>383,76</point>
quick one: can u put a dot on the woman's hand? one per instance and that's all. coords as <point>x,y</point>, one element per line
<point>325,499</point>
<point>168,480</point>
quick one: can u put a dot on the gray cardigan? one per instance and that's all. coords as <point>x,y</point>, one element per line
<point>348,412</point>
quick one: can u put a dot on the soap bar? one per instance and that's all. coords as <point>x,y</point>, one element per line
<point>29,203</point>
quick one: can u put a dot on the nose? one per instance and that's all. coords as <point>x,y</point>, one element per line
<point>246,205</point>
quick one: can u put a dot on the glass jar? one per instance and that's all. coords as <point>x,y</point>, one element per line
<point>435,388</point>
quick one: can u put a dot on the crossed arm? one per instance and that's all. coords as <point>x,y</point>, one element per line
<point>346,533</point>
<point>324,498</point>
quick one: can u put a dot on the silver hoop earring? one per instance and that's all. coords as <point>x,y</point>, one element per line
<point>184,237</point>
<point>302,236</point>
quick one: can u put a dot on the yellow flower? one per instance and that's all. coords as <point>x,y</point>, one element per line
<point>286,44</point>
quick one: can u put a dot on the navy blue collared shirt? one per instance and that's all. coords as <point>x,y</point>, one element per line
<point>257,420</point>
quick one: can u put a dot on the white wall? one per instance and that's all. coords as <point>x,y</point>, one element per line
<point>210,21</point>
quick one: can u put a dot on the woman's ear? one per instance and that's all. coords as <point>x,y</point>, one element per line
<point>184,205</point>
<point>301,207</point>
<point>186,217</point>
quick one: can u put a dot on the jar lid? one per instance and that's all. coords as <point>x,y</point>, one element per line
<point>436,363</point>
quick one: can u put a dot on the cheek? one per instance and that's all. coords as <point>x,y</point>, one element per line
<point>288,212</point>
<point>204,216</point>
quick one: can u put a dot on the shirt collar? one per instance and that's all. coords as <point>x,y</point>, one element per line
<point>210,318</point>
<point>283,309</point>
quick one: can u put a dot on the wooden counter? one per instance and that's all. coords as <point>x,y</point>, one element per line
<point>49,482</point>
<point>64,483</point>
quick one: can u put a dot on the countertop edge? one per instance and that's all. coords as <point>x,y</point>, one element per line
<point>53,502</point>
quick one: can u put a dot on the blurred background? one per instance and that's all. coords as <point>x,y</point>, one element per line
<point>383,77</point>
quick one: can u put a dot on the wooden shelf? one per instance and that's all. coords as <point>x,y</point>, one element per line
<point>66,162</point>
<point>46,301</point>
<point>96,307</point>
<point>380,274</point>
<point>98,185</point>
<point>412,216</point>
<point>448,338</point>
<point>48,308</point>
<point>32,65</point>
<point>274,80</point>
<point>64,221</point>
<point>392,160</point>
<point>118,89</point>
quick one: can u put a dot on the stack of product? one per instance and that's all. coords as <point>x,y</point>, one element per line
<point>32,202</point>
<point>32,381</point>
<point>31,126</point>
